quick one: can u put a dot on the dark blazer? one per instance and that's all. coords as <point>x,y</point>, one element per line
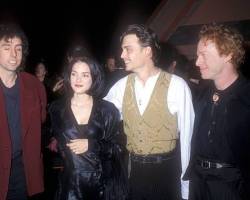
<point>33,113</point>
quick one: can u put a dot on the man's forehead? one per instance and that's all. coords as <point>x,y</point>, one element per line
<point>130,38</point>
<point>11,40</point>
<point>204,44</point>
<point>207,42</point>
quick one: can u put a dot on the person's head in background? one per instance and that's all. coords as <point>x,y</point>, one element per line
<point>172,61</point>
<point>110,63</point>
<point>13,47</point>
<point>41,71</point>
<point>77,50</point>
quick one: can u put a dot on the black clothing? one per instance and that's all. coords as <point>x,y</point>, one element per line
<point>155,180</point>
<point>221,135</point>
<point>211,138</point>
<point>112,77</point>
<point>97,173</point>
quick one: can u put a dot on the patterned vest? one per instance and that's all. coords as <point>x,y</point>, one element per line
<point>155,131</point>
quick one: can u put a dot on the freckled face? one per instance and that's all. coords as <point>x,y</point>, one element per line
<point>209,61</point>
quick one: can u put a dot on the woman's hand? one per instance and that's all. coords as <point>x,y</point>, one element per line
<point>78,146</point>
<point>58,85</point>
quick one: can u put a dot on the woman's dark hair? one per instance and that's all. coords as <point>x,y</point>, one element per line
<point>147,38</point>
<point>96,73</point>
<point>9,31</point>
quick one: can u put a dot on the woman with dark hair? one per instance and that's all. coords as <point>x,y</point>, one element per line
<point>87,130</point>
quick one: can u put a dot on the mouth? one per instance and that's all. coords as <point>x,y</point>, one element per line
<point>203,69</point>
<point>78,86</point>
<point>126,62</point>
<point>13,62</point>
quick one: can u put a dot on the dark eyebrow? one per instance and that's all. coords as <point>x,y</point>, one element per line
<point>19,45</point>
<point>126,47</point>
<point>6,44</point>
<point>81,72</point>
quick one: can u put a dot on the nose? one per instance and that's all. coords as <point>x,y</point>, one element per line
<point>79,78</point>
<point>198,61</point>
<point>13,52</point>
<point>123,54</point>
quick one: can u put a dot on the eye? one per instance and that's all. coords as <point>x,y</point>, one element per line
<point>129,50</point>
<point>19,49</point>
<point>85,75</point>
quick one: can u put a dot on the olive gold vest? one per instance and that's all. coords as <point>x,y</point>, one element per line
<point>155,131</point>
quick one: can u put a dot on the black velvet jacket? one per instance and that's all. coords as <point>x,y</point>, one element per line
<point>236,128</point>
<point>97,173</point>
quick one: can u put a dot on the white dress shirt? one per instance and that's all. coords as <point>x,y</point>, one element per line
<point>179,101</point>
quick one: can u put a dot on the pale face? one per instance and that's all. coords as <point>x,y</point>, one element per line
<point>80,78</point>
<point>210,63</point>
<point>10,54</point>
<point>133,54</point>
<point>40,71</point>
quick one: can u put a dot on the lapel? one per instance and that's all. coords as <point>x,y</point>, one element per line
<point>27,101</point>
<point>4,133</point>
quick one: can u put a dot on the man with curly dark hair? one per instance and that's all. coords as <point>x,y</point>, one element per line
<point>23,109</point>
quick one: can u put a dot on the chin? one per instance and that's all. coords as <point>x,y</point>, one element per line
<point>205,77</point>
<point>128,68</point>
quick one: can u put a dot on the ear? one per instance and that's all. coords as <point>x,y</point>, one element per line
<point>228,58</point>
<point>148,51</point>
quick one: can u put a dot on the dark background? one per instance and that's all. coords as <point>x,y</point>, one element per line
<point>52,26</point>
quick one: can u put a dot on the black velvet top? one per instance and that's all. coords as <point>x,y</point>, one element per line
<point>222,129</point>
<point>97,173</point>
<point>212,142</point>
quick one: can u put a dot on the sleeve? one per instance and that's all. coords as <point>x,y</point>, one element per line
<point>43,101</point>
<point>55,121</point>
<point>54,111</point>
<point>181,103</point>
<point>112,148</point>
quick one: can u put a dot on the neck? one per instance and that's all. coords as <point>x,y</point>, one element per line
<point>81,99</point>
<point>8,78</point>
<point>146,72</point>
<point>226,79</point>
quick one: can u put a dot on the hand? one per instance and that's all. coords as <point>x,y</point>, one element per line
<point>53,145</point>
<point>58,85</point>
<point>78,146</point>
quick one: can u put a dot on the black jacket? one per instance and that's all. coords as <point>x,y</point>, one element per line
<point>237,129</point>
<point>99,170</point>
